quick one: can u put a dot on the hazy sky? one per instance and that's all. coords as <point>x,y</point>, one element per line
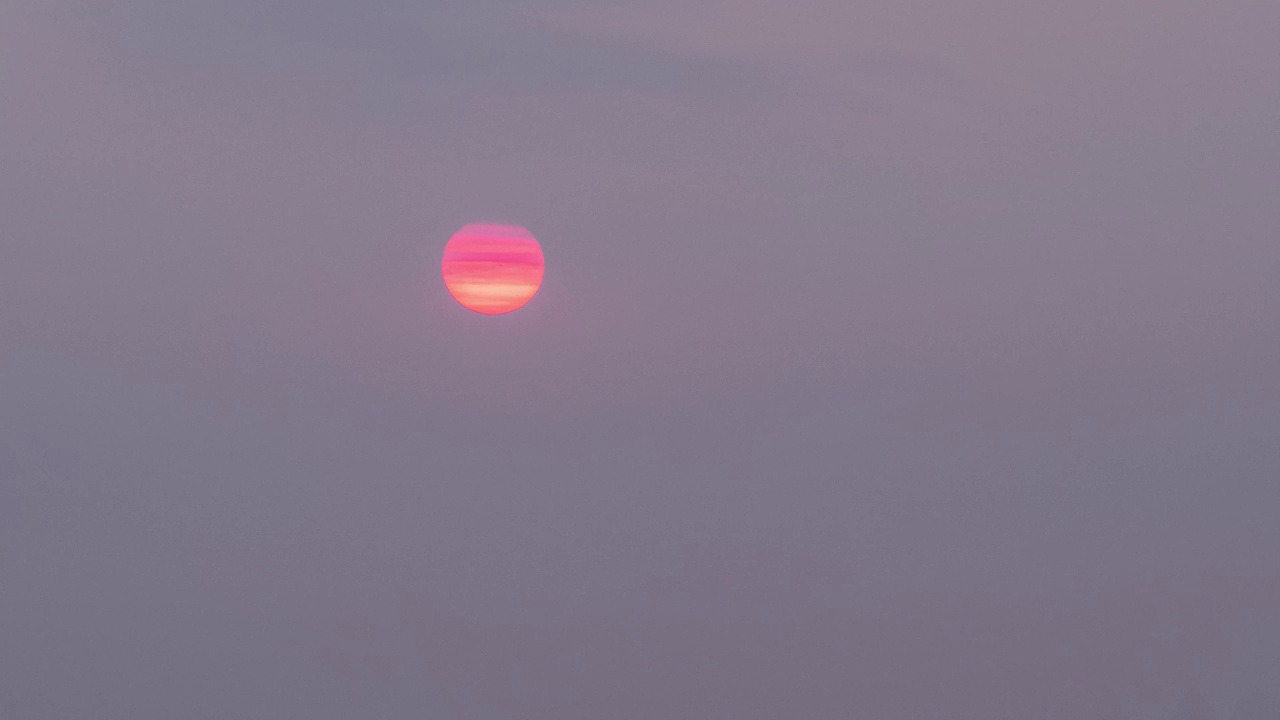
<point>895,359</point>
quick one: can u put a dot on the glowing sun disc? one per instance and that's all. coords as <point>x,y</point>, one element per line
<point>492,269</point>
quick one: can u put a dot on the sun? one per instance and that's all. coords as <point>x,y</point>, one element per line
<point>492,269</point>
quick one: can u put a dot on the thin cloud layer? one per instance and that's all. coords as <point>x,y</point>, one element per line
<point>925,344</point>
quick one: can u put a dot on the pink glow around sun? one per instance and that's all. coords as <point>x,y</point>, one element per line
<point>492,269</point>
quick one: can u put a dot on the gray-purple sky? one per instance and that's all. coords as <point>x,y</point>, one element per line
<point>894,360</point>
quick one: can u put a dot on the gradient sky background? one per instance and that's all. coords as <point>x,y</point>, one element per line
<point>895,359</point>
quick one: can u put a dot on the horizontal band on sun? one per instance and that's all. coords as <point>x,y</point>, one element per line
<point>492,269</point>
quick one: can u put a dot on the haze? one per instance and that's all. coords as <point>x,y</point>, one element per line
<point>897,360</point>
